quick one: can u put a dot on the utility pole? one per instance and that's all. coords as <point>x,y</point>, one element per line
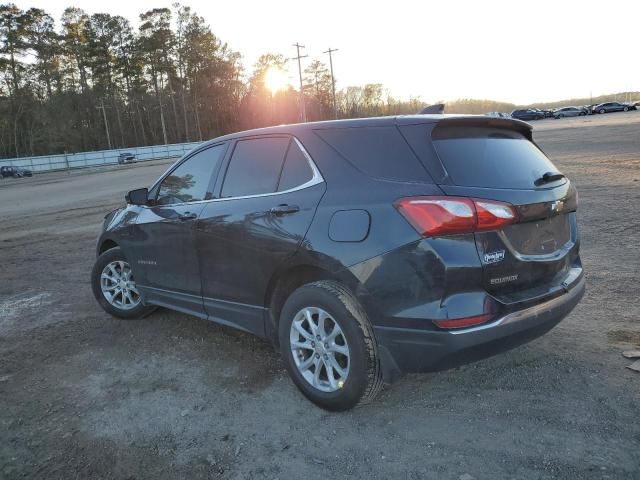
<point>164,128</point>
<point>333,81</point>
<point>106,124</point>
<point>303,113</point>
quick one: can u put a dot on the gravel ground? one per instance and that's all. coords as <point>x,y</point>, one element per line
<point>83,395</point>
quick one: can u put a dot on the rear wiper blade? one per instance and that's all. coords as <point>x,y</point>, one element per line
<point>548,177</point>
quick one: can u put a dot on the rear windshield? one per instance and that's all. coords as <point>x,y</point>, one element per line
<point>490,157</point>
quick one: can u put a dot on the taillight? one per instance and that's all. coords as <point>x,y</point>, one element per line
<point>494,215</point>
<point>437,216</point>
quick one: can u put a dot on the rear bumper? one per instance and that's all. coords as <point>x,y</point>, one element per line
<point>410,350</point>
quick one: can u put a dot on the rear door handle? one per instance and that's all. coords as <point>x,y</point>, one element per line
<point>285,209</point>
<point>187,216</point>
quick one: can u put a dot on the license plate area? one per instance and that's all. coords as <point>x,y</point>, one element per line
<point>540,237</point>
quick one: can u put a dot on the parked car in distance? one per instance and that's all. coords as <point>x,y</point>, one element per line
<point>613,107</point>
<point>547,113</point>
<point>498,115</point>
<point>527,114</point>
<point>569,112</point>
<point>15,172</point>
<point>363,249</point>
<point>126,157</point>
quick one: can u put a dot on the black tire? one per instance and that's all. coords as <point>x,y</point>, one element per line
<point>101,262</point>
<point>602,111</point>
<point>625,109</point>
<point>364,380</point>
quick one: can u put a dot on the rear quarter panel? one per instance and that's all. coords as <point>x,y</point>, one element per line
<point>350,189</point>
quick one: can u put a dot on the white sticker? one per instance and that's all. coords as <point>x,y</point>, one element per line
<point>494,257</point>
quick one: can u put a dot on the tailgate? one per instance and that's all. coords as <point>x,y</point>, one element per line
<point>530,259</point>
<point>538,255</point>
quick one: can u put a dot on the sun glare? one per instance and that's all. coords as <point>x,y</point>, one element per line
<point>276,79</point>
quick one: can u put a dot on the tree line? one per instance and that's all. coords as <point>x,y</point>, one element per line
<point>168,80</point>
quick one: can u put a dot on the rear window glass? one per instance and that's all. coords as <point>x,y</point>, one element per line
<point>380,152</point>
<point>296,170</point>
<point>255,166</point>
<point>490,157</point>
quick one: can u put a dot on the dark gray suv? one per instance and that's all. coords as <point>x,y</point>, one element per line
<point>362,249</point>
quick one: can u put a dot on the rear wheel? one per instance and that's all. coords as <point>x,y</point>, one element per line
<point>328,346</point>
<point>115,288</point>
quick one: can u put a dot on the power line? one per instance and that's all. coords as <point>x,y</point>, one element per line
<point>303,113</point>
<point>333,81</point>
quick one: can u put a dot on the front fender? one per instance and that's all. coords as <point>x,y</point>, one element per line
<point>117,227</point>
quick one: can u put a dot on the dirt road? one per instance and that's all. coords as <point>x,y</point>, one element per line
<point>83,395</point>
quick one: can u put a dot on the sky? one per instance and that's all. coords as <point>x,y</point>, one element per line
<point>514,51</point>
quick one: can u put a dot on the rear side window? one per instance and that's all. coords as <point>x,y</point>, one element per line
<point>490,157</point>
<point>255,166</point>
<point>380,152</point>
<point>296,170</point>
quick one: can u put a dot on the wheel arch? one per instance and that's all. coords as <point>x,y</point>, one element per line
<point>106,244</point>
<point>288,279</point>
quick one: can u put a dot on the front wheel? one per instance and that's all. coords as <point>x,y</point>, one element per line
<point>602,110</point>
<point>115,288</point>
<point>626,109</point>
<point>328,346</point>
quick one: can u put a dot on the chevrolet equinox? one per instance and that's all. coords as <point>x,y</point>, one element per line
<point>363,249</point>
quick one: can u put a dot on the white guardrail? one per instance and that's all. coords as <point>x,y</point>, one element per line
<point>97,158</point>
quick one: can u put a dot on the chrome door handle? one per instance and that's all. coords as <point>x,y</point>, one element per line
<point>187,216</point>
<point>284,209</point>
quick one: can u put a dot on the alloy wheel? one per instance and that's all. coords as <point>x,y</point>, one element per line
<point>319,348</point>
<point>118,286</point>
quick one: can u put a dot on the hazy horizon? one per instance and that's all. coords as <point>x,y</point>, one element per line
<point>494,50</point>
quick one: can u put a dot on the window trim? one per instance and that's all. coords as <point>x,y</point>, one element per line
<point>315,179</point>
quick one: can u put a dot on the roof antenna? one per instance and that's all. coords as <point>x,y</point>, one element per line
<point>438,108</point>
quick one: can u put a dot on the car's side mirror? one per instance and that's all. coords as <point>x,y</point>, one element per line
<point>139,196</point>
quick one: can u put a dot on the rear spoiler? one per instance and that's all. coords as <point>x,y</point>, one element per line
<point>524,128</point>
<point>438,108</point>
